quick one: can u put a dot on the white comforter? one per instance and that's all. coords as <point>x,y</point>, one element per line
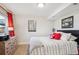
<point>46,46</point>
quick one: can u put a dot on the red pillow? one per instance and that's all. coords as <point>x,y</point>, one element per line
<point>56,36</point>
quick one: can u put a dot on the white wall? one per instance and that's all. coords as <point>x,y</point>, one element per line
<point>57,22</point>
<point>3,12</point>
<point>44,27</point>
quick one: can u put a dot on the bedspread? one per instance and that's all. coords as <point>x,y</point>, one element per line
<point>45,46</point>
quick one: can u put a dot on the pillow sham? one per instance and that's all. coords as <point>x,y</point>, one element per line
<point>65,36</point>
<point>72,38</point>
<point>51,36</point>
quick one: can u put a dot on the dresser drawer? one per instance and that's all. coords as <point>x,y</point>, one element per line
<point>2,48</point>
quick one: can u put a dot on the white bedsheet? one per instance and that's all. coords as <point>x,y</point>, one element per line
<point>52,47</point>
<point>36,42</point>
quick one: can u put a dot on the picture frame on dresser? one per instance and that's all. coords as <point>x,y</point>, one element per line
<point>67,22</point>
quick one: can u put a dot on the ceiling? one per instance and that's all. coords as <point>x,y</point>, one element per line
<point>70,10</point>
<point>31,8</point>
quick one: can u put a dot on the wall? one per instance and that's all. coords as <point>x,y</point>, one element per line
<point>57,22</point>
<point>44,27</point>
<point>2,11</point>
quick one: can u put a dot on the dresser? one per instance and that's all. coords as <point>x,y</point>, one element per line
<point>8,47</point>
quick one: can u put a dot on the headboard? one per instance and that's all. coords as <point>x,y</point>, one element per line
<point>73,32</point>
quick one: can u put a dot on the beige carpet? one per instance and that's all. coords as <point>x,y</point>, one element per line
<point>21,50</point>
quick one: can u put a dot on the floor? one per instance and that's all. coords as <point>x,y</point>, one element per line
<point>21,50</point>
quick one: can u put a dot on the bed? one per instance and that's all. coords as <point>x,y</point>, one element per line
<point>45,46</point>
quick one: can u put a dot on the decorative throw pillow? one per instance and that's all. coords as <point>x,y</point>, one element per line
<point>51,36</point>
<point>56,36</point>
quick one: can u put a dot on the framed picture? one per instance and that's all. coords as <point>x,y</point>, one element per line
<point>67,22</point>
<point>31,25</point>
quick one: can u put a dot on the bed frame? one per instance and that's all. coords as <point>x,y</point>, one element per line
<point>73,32</point>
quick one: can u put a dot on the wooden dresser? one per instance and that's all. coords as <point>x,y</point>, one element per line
<point>2,48</point>
<point>8,47</point>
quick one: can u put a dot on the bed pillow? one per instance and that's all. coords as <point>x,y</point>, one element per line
<point>56,36</point>
<point>51,36</point>
<point>65,36</point>
<point>72,38</point>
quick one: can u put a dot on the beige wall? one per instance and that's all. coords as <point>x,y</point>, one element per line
<point>57,22</point>
<point>3,12</point>
<point>44,27</point>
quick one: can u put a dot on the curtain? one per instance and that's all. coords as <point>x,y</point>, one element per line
<point>10,24</point>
